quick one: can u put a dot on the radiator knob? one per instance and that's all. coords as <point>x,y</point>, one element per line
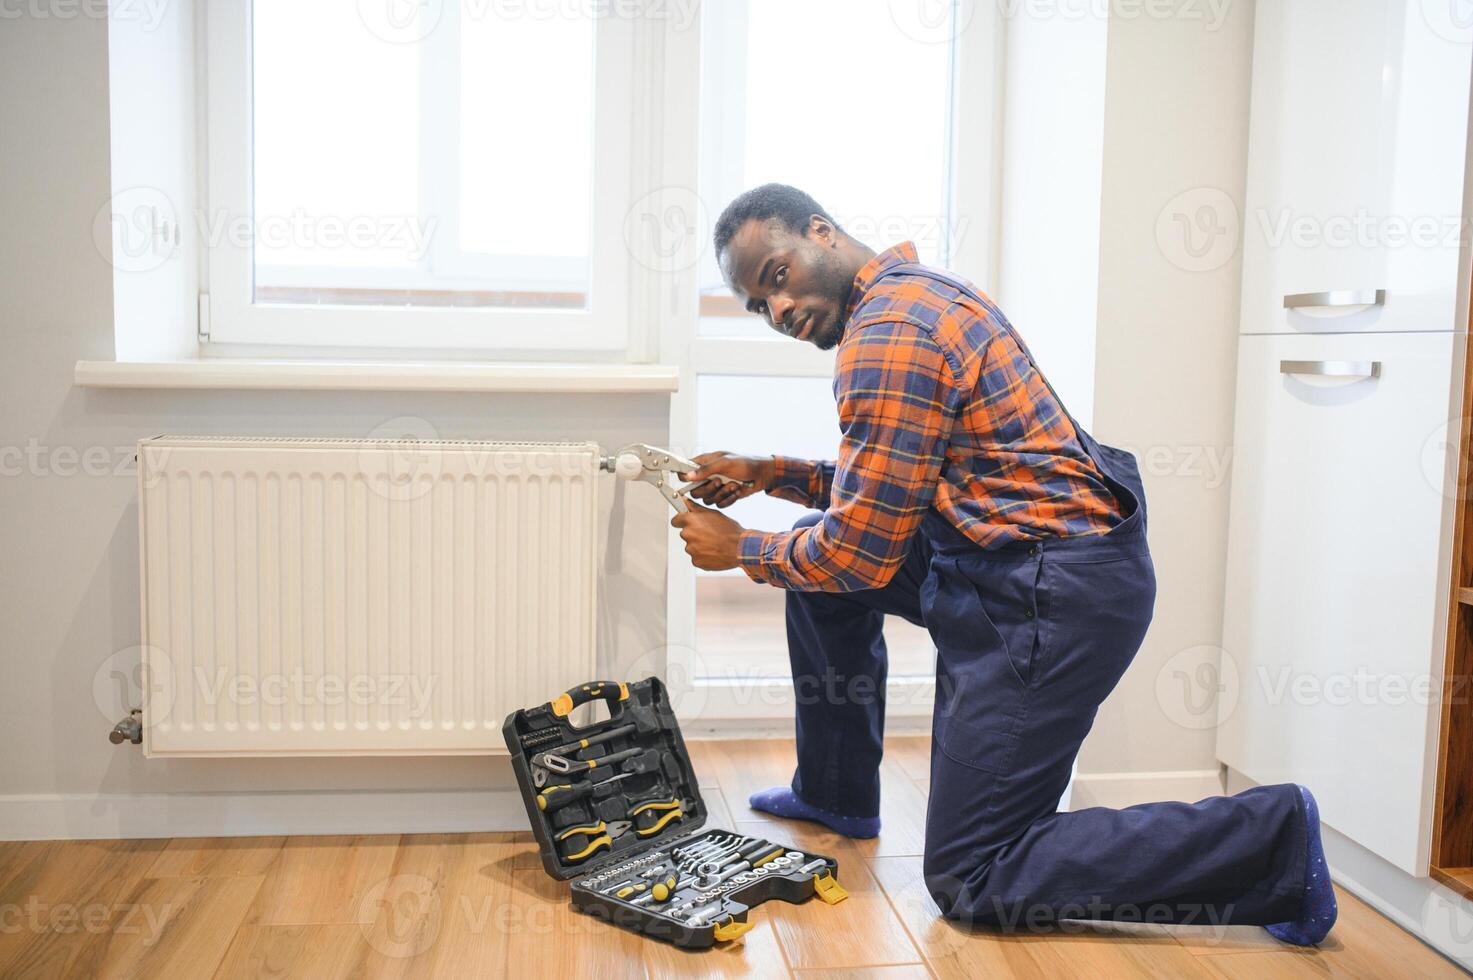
<point>628,466</point>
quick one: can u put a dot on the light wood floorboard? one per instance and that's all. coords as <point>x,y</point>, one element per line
<point>477,905</point>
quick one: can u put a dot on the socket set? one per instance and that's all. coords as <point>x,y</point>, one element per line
<point>617,812</point>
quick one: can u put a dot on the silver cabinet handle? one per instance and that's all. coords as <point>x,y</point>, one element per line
<point>1333,369</point>
<point>1336,297</point>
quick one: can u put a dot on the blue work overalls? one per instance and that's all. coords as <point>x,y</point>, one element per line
<point>1030,638</point>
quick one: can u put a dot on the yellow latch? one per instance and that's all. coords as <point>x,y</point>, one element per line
<point>731,930</point>
<point>829,889</point>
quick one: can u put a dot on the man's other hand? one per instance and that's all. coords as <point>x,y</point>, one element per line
<point>711,538</point>
<point>756,470</point>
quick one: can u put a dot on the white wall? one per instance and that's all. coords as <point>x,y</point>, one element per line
<point>1176,120</point>
<point>69,580</point>
<point>1049,210</point>
<point>151,96</point>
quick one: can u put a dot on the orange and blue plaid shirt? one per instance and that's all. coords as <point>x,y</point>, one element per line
<point>939,406</point>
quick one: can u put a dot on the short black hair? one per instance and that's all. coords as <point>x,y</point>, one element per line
<point>788,204</point>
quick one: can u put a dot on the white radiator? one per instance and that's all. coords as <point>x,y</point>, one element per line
<point>360,597</point>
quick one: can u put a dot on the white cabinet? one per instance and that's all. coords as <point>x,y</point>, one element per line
<point>1340,525</point>
<point>1355,164</point>
<point>1332,580</point>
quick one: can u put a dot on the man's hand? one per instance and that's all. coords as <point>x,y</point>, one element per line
<point>711,538</point>
<point>757,470</point>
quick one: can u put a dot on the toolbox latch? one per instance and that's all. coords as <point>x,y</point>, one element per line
<point>829,889</point>
<point>731,930</point>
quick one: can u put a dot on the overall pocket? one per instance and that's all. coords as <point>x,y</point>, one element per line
<point>985,654</point>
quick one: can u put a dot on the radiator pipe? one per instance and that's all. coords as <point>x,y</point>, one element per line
<point>130,729</point>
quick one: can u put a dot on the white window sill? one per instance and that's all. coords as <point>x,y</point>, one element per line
<point>381,376</point>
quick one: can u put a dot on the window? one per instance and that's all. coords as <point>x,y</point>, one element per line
<point>797,93</point>
<point>756,129</point>
<point>420,175</point>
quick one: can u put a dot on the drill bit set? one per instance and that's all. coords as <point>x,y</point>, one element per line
<point>616,809</point>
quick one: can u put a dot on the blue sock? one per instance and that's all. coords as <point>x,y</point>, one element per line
<point>783,802</point>
<point>1319,910</point>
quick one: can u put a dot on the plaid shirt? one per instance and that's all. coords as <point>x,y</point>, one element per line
<point>939,406</point>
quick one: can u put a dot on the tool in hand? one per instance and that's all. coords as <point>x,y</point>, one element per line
<point>564,766</point>
<point>580,843</point>
<point>554,797</point>
<point>651,817</point>
<point>582,743</point>
<point>650,464</point>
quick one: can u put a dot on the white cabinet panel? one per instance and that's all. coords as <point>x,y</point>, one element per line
<point>1355,163</point>
<point>1333,596</point>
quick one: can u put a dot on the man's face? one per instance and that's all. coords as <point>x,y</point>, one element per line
<point>795,281</point>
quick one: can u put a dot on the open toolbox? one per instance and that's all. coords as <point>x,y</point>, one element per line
<point>616,811</point>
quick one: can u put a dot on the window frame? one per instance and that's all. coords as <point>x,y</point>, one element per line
<point>604,325</point>
<point>977,57</point>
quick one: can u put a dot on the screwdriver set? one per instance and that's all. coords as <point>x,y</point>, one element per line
<point>617,812</point>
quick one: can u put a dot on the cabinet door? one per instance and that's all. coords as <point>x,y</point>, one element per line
<point>1333,599</point>
<point>1355,165</point>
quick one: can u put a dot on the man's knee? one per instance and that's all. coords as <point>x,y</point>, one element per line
<point>809,519</point>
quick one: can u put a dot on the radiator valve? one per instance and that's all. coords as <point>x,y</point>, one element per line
<point>130,729</point>
<point>659,467</point>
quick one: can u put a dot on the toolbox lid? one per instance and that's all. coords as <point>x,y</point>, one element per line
<point>580,784</point>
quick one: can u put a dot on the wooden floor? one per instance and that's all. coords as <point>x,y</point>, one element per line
<point>480,905</point>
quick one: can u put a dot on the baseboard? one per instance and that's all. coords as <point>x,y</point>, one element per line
<point>1121,789</point>
<point>115,816</point>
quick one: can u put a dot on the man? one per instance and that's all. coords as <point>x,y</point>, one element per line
<point>967,500</point>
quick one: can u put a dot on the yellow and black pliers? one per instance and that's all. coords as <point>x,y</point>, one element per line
<point>651,817</point>
<point>580,843</point>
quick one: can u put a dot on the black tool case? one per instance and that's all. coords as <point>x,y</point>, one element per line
<point>662,874</point>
